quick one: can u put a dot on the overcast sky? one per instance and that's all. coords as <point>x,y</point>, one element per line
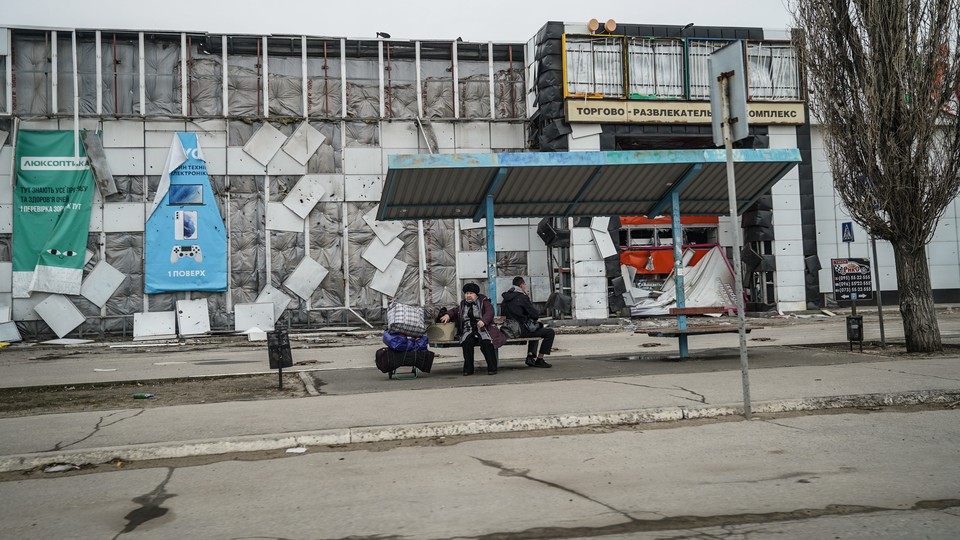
<point>490,20</point>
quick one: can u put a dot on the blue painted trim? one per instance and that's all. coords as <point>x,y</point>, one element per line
<point>677,187</point>
<point>595,159</point>
<point>583,190</point>
<point>492,190</point>
<point>492,249</point>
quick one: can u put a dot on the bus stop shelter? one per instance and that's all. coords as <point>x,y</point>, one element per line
<point>575,184</point>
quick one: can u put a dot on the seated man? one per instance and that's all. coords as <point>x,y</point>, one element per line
<point>517,306</point>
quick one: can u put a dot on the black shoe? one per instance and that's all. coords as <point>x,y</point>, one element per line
<point>491,372</point>
<point>467,372</point>
<point>541,363</point>
<point>531,361</point>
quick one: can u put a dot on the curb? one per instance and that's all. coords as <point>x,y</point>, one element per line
<point>368,434</point>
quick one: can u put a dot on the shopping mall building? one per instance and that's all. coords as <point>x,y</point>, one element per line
<point>236,179</point>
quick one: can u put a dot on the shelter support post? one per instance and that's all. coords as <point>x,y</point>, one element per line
<point>491,256</point>
<point>678,270</point>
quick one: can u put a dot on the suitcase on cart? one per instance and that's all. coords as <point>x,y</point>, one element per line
<point>388,361</point>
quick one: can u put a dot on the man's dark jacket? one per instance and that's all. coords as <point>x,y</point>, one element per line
<point>518,306</point>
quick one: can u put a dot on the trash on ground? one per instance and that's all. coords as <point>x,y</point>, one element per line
<point>143,396</point>
<point>104,369</point>
<point>297,450</point>
<point>61,468</point>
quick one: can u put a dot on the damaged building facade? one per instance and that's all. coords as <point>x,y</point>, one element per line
<point>294,133</point>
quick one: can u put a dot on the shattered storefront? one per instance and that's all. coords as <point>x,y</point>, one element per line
<point>283,143</point>
<point>645,87</point>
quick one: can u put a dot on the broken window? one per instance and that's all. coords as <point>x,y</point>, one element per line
<point>204,77</point>
<point>509,88</point>
<point>244,83</point>
<point>86,72</point>
<point>473,67</point>
<point>436,72</point>
<point>285,66</point>
<point>324,85</point>
<point>31,53</point>
<point>363,79</point>
<point>655,68</point>
<point>161,72</point>
<point>400,80</point>
<point>773,71</point>
<point>120,61</point>
<point>700,51</point>
<point>594,66</point>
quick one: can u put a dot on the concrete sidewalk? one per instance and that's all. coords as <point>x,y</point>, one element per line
<point>188,430</point>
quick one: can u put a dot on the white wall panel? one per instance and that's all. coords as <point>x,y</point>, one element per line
<point>507,136</point>
<point>474,135</point>
<point>212,139</point>
<point>125,161</point>
<point>123,134</point>
<point>155,159</point>
<point>6,277</point>
<point>362,187</point>
<point>584,144</point>
<point>23,307</point>
<point>123,217</point>
<point>366,161</point>
<point>400,134</point>
<point>281,218</point>
<point>6,218</point>
<point>472,264</point>
<point>40,125</point>
<point>283,164</point>
<point>445,134</point>
<point>209,125</point>
<point>158,139</point>
<point>238,162</point>
<point>166,125</point>
<point>216,160</point>
<point>512,238</point>
<point>154,324</point>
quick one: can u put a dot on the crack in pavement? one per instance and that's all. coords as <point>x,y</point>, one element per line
<point>702,398</point>
<point>781,425</point>
<point>96,428</point>
<point>913,374</point>
<point>525,473</point>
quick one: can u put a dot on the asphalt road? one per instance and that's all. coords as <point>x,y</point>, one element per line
<point>871,475</point>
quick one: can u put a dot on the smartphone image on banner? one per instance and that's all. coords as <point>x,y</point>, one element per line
<point>185,225</point>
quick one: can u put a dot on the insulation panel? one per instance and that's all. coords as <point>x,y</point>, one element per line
<point>101,283</point>
<point>388,282</point>
<point>154,325</point>
<point>248,316</point>
<point>193,317</point>
<point>278,298</point>
<point>381,255</point>
<point>264,144</point>
<point>304,196</point>
<point>306,278</point>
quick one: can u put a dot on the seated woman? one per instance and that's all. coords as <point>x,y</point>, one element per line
<point>474,318</point>
<point>517,306</point>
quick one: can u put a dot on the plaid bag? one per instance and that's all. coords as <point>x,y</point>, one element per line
<point>404,319</point>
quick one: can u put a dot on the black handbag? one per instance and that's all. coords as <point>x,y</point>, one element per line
<point>510,328</point>
<point>531,325</point>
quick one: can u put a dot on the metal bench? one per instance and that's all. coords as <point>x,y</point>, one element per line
<point>683,331</point>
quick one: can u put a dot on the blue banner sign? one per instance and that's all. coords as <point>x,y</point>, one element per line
<point>186,241</point>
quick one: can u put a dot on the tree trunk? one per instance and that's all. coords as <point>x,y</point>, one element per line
<point>916,298</point>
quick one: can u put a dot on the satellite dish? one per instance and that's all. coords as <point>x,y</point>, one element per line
<point>593,25</point>
<point>610,26</point>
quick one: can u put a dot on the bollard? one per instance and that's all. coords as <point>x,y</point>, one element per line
<point>278,352</point>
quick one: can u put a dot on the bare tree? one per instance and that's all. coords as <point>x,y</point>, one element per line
<point>883,76</point>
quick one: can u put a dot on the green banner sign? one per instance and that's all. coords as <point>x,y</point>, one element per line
<point>51,213</point>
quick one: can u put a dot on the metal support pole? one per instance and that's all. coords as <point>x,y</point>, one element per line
<point>737,266</point>
<point>678,270</point>
<point>491,256</point>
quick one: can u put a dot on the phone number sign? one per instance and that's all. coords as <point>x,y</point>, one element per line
<point>852,279</point>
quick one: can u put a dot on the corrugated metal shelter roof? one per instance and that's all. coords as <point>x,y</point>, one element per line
<point>572,184</point>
